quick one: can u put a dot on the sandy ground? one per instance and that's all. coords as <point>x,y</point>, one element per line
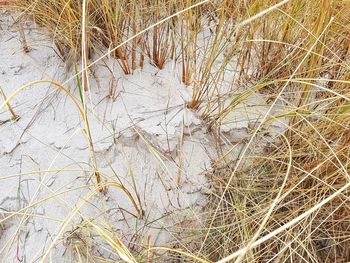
<point>144,137</point>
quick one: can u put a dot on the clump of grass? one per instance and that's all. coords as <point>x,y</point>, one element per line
<point>290,202</point>
<point>314,164</point>
<point>195,39</point>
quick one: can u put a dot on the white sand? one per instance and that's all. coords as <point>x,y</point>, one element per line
<point>144,133</point>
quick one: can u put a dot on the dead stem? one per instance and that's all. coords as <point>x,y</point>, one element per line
<point>14,116</point>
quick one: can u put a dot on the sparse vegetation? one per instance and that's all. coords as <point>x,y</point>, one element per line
<point>284,196</point>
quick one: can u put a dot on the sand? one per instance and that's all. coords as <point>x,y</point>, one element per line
<point>145,139</point>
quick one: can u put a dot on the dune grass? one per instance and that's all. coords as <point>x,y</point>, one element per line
<point>289,203</point>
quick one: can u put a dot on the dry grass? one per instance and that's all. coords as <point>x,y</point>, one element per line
<point>303,47</point>
<point>289,203</point>
<point>180,39</point>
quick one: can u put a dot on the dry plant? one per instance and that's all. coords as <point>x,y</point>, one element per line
<point>195,38</point>
<point>287,204</point>
<point>14,116</point>
<point>295,175</point>
<point>290,203</point>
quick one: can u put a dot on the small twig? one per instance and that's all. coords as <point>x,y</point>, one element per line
<point>14,116</point>
<point>26,48</point>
